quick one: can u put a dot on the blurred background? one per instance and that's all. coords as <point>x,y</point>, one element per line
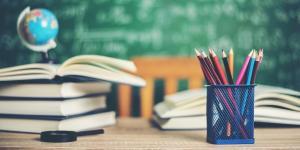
<point>132,28</point>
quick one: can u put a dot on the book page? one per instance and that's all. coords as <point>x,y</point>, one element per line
<point>95,59</point>
<point>28,72</point>
<point>100,73</point>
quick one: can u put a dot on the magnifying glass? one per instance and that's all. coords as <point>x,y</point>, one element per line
<point>66,136</point>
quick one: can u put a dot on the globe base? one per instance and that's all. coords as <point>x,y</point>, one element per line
<point>45,58</point>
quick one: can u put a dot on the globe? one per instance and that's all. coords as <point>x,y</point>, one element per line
<point>37,29</point>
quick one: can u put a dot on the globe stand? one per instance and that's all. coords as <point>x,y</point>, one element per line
<point>46,59</point>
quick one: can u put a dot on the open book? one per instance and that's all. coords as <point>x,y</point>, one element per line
<point>273,105</point>
<point>89,66</point>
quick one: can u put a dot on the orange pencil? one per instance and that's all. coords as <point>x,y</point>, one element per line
<point>231,61</point>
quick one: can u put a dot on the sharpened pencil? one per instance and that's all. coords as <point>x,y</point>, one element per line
<point>211,68</point>
<point>231,61</point>
<point>227,69</point>
<point>204,70</point>
<point>251,65</point>
<point>211,74</point>
<point>248,79</point>
<point>217,66</point>
<point>243,69</point>
<point>256,65</point>
<point>216,78</point>
<point>215,61</point>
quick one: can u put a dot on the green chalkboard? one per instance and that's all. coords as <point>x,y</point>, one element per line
<point>128,28</point>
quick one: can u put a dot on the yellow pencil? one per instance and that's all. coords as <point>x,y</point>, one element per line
<point>231,61</point>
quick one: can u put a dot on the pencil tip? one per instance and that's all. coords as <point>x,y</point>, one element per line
<point>212,52</point>
<point>203,54</point>
<point>261,53</point>
<point>254,54</point>
<point>250,54</point>
<point>197,52</point>
<point>223,53</point>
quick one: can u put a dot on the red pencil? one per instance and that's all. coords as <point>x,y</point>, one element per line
<point>217,66</point>
<point>209,80</point>
<point>221,74</point>
<point>204,70</point>
<point>210,74</point>
<point>211,68</point>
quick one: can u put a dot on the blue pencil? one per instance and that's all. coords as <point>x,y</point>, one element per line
<point>248,80</point>
<point>252,61</point>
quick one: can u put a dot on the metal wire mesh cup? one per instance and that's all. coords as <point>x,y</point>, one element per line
<point>230,114</point>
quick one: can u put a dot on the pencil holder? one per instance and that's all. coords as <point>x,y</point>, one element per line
<point>230,114</point>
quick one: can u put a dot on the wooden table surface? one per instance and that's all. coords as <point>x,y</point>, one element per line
<point>136,133</point>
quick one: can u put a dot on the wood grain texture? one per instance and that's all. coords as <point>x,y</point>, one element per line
<point>130,133</point>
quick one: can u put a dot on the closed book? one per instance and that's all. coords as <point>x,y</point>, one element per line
<point>51,106</point>
<point>53,89</point>
<point>36,124</point>
<point>167,110</point>
<point>86,66</point>
<point>181,123</point>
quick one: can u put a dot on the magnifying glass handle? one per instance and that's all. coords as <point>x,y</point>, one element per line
<point>90,132</point>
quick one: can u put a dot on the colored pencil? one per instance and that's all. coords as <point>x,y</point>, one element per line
<point>227,69</point>
<point>211,69</point>
<point>221,74</point>
<point>248,79</point>
<point>213,76</point>
<point>243,70</point>
<point>256,65</point>
<point>215,80</point>
<point>217,66</point>
<point>231,61</point>
<point>204,70</point>
<point>209,80</point>
<point>251,65</point>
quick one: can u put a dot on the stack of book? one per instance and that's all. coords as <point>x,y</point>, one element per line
<point>71,96</point>
<point>274,106</point>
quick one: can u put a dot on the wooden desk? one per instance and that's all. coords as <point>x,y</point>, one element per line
<point>138,134</point>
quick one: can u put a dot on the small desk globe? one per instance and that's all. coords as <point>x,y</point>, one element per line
<point>37,29</point>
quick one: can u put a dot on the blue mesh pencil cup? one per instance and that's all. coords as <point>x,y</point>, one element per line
<point>230,114</point>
